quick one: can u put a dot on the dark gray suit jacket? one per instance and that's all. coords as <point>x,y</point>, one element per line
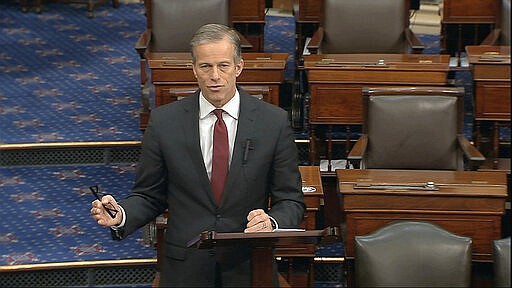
<point>172,175</point>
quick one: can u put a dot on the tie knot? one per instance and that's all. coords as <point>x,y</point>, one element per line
<point>218,113</point>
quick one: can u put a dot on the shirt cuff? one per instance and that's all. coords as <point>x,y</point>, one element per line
<point>123,221</point>
<point>273,222</point>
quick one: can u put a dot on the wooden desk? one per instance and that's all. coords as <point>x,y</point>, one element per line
<point>490,67</point>
<point>468,203</point>
<point>467,22</point>
<point>174,70</point>
<point>336,81</point>
<point>314,199</point>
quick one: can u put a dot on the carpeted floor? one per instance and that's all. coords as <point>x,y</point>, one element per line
<point>67,78</point>
<point>45,215</point>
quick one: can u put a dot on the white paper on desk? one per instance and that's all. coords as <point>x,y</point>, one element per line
<point>288,230</point>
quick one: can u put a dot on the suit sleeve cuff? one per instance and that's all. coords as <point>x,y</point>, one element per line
<point>274,223</point>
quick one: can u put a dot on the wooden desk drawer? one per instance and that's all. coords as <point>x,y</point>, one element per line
<point>492,100</point>
<point>491,72</point>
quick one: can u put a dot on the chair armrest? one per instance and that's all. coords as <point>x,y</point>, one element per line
<point>359,149</point>
<point>492,38</point>
<point>143,42</point>
<point>316,41</point>
<point>470,152</point>
<point>356,154</point>
<point>414,42</point>
<point>244,43</point>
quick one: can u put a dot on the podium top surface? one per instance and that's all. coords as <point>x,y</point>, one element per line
<point>209,239</point>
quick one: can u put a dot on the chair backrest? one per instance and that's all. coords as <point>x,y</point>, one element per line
<point>413,127</point>
<point>173,22</point>
<point>501,253</point>
<point>365,26</point>
<point>505,23</point>
<point>412,254</point>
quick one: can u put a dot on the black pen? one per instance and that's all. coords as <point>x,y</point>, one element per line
<point>109,210</point>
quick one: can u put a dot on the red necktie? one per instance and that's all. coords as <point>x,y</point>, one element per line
<point>220,156</point>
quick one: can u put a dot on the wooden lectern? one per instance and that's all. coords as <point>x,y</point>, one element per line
<point>263,244</point>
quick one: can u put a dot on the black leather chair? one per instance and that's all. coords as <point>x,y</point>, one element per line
<point>365,26</point>
<point>170,25</point>
<point>412,254</point>
<point>501,264</point>
<point>414,128</point>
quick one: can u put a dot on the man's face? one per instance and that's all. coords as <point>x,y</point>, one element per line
<point>216,71</point>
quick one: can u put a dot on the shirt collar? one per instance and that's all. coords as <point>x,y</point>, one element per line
<point>232,107</point>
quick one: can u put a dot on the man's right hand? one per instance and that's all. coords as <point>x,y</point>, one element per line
<point>100,214</point>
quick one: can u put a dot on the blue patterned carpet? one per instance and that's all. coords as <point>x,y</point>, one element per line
<point>47,220</point>
<point>65,77</point>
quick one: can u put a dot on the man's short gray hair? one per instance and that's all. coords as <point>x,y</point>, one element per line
<point>213,33</point>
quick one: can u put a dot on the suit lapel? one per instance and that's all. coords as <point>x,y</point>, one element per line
<point>191,132</point>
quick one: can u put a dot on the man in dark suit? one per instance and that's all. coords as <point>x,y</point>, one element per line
<point>262,189</point>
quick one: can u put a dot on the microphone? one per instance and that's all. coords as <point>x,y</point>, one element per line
<point>247,147</point>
